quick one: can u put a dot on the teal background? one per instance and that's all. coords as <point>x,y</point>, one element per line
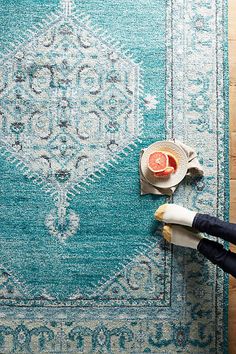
<point>115,220</point>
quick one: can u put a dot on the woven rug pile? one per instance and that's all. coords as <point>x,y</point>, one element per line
<point>84,86</point>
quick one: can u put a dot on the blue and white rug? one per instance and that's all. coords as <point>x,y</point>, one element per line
<point>84,86</point>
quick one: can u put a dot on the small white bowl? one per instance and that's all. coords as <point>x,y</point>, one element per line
<point>174,178</point>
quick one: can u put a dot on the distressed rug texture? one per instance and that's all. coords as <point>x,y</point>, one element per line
<point>84,86</point>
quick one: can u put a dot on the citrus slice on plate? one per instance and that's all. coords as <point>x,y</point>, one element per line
<point>167,148</point>
<point>172,161</point>
<point>158,161</point>
<point>167,172</point>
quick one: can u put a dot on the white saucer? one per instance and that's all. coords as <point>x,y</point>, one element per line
<point>174,178</point>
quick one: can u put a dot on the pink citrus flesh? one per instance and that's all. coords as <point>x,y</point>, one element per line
<point>158,161</point>
<point>167,172</point>
<point>172,161</point>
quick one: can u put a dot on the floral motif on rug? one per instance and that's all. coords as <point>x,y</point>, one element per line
<point>70,104</point>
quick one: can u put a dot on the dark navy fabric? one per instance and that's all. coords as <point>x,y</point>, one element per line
<point>212,250</point>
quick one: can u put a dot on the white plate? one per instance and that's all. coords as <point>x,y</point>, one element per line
<point>174,178</point>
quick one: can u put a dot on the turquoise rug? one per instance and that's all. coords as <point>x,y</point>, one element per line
<point>84,86</point>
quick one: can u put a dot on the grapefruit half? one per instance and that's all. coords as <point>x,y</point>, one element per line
<point>158,161</point>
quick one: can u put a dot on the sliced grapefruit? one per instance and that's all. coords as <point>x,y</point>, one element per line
<point>158,161</point>
<point>172,161</point>
<point>167,172</point>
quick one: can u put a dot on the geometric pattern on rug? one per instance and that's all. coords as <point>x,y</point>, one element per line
<point>69,101</point>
